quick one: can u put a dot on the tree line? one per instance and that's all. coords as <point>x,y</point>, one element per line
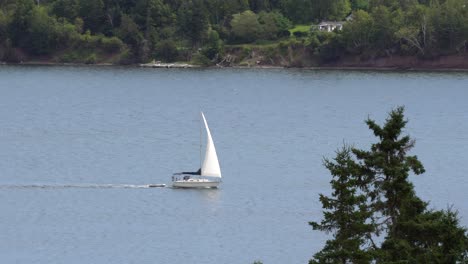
<point>425,28</point>
<point>140,30</point>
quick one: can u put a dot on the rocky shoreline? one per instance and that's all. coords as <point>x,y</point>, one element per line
<point>455,63</point>
<point>167,65</point>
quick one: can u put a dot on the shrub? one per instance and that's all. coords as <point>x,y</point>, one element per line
<point>245,26</point>
<point>313,42</point>
<point>213,46</point>
<point>331,50</point>
<point>300,34</point>
<point>88,41</point>
<point>284,34</point>
<point>113,44</point>
<point>69,57</point>
<point>127,57</point>
<point>245,52</point>
<point>200,59</point>
<point>91,59</point>
<point>166,50</point>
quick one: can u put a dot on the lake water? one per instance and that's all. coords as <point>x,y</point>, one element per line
<point>77,143</point>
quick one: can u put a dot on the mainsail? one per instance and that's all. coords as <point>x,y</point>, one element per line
<point>210,164</point>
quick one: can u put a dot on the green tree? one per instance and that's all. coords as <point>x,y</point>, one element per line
<point>259,5</point>
<point>428,237</point>
<point>3,26</point>
<point>385,25</point>
<point>213,46</point>
<point>359,33</point>
<point>193,21</point>
<point>92,12</point>
<point>129,32</point>
<point>346,213</point>
<point>66,34</point>
<point>79,25</point>
<point>330,9</point>
<point>418,33</point>
<point>20,22</point>
<point>393,4</point>
<point>269,28</point>
<point>4,46</point>
<point>394,199</point>
<point>413,234</point>
<point>166,50</point>
<point>151,15</point>
<point>220,10</point>
<point>332,46</point>
<point>339,9</point>
<point>359,4</point>
<point>282,22</point>
<point>68,9</point>
<point>272,25</point>
<point>245,26</point>
<point>42,32</point>
<point>298,11</point>
<point>450,21</point>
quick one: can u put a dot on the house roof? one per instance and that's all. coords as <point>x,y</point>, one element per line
<point>331,23</point>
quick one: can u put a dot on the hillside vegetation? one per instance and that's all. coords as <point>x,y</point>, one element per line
<point>210,31</point>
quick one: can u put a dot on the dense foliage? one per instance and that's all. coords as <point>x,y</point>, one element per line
<point>141,30</point>
<point>374,213</point>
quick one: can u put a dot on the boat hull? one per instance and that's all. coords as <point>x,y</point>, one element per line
<point>195,183</point>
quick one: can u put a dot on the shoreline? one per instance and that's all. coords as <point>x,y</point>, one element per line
<point>192,66</point>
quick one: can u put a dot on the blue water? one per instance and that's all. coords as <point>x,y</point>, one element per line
<point>78,144</point>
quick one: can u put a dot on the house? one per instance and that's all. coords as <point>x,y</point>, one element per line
<point>329,26</point>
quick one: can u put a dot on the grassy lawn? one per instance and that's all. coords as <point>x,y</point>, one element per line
<point>271,43</point>
<point>301,28</point>
<point>254,45</point>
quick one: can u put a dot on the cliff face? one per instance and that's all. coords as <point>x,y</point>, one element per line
<point>459,61</point>
<point>294,55</point>
<point>269,56</point>
<point>302,57</point>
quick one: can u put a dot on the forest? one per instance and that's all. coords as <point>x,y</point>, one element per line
<point>205,31</point>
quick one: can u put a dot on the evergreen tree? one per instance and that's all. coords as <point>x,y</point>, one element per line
<point>42,31</point>
<point>193,21</point>
<point>213,45</point>
<point>259,5</point>
<point>330,9</point>
<point>20,23</point>
<point>3,26</point>
<point>166,50</point>
<point>68,9</point>
<point>346,214</point>
<point>298,11</point>
<point>92,13</point>
<point>388,206</point>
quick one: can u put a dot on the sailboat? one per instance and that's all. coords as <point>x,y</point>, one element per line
<point>209,175</point>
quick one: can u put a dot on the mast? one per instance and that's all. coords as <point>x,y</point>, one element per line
<point>200,125</point>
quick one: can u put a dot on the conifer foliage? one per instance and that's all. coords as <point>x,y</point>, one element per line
<point>374,213</point>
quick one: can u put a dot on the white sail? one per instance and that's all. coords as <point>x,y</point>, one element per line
<point>210,164</point>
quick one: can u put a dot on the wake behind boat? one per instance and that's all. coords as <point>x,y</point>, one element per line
<point>156,185</point>
<point>209,175</point>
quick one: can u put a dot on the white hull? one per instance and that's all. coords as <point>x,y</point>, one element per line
<point>195,183</point>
